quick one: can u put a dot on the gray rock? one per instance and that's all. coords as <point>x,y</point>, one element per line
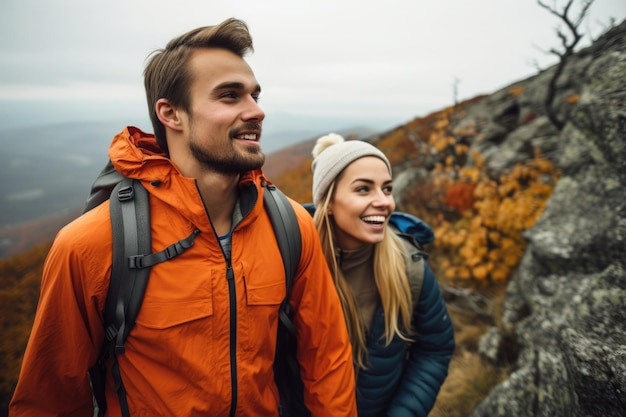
<point>565,305</point>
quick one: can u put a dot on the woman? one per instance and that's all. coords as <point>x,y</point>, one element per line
<point>402,347</point>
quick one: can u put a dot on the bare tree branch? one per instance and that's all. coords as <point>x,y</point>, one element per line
<point>568,45</point>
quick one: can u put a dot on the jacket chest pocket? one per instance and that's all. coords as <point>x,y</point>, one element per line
<point>264,284</point>
<point>258,319</point>
<point>175,299</point>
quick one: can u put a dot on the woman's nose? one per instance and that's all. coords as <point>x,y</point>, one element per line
<point>382,199</point>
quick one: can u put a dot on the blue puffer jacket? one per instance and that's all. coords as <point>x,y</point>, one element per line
<point>403,380</point>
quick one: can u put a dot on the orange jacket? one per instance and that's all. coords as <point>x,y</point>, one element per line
<point>198,348</point>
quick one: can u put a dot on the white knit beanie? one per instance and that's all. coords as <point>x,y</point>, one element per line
<point>331,155</point>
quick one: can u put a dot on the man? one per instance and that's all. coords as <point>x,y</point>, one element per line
<point>205,336</point>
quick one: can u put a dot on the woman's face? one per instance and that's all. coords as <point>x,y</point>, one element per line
<point>362,203</point>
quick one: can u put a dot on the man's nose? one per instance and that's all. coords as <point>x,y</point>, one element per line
<point>253,110</point>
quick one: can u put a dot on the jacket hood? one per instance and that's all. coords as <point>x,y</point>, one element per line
<point>136,154</point>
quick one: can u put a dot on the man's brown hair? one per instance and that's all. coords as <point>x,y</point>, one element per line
<point>166,74</point>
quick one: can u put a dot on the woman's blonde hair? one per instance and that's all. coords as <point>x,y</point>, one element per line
<point>390,277</point>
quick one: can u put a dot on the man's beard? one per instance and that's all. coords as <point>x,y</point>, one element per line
<point>228,161</point>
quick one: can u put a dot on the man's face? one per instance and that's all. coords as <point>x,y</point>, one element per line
<point>224,123</point>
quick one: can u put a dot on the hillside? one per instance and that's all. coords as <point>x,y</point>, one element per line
<point>290,157</point>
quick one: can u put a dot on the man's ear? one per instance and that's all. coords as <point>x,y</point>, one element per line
<point>168,114</point>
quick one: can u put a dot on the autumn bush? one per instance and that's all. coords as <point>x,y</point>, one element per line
<point>20,278</point>
<point>478,219</point>
<point>485,243</point>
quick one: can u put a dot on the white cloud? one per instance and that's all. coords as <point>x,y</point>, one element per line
<point>319,56</point>
<point>75,91</point>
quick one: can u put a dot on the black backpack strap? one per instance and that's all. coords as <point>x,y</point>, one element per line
<point>130,221</point>
<point>286,367</point>
<point>287,231</point>
<point>175,249</point>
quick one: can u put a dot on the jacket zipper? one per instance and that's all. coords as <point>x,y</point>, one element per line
<point>232,295</point>
<point>230,277</point>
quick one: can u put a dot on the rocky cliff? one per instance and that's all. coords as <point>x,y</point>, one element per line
<point>565,311</point>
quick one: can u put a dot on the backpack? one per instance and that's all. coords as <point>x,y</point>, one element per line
<point>414,234</point>
<point>132,259</point>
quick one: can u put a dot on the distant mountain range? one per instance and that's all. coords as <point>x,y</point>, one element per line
<point>47,170</point>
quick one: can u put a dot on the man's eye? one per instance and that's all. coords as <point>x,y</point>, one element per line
<point>256,97</point>
<point>229,94</point>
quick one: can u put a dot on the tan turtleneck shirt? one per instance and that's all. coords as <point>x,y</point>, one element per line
<point>357,267</point>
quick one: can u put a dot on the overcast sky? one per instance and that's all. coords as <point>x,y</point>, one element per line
<point>394,58</point>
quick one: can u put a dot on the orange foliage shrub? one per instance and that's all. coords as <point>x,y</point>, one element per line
<point>460,196</point>
<point>398,146</point>
<point>516,91</point>
<point>485,243</point>
<point>573,99</point>
<point>493,244</point>
<point>20,278</point>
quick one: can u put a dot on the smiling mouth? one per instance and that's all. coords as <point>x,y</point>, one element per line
<point>374,219</point>
<point>248,136</point>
